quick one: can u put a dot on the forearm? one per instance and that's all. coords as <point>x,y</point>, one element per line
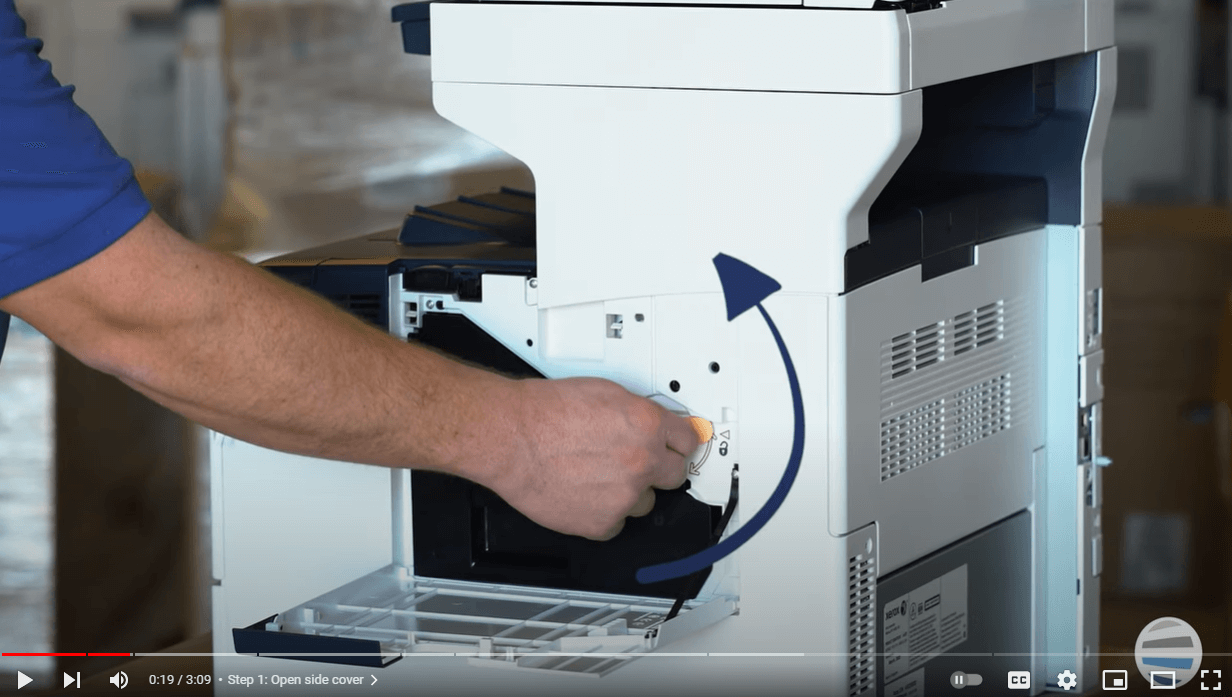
<point>237,350</point>
<point>294,373</point>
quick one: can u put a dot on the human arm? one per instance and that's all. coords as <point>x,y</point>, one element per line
<point>236,349</point>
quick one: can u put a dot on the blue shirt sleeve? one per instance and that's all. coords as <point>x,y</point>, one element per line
<point>65,195</point>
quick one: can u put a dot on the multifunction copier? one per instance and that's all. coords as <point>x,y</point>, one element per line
<point>860,237</point>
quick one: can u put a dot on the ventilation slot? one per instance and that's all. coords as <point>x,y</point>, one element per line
<point>979,411</point>
<point>911,439</point>
<point>861,618</point>
<point>979,327</point>
<point>365,307</point>
<point>917,350</point>
<point>943,426</point>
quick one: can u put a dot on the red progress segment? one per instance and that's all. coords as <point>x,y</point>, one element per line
<point>57,655</point>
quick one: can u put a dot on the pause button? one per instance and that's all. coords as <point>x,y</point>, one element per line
<point>960,680</point>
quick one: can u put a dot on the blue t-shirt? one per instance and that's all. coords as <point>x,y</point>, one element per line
<point>65,195</point>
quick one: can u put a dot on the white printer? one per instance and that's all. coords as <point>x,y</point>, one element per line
<point>861,237</point>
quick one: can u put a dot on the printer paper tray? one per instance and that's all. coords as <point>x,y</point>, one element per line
<point>383,616</point>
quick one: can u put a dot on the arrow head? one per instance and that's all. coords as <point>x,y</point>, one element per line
<point>23,680</point>
<point>743,286</point>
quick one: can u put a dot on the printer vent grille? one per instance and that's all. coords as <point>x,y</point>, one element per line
<point>912,438</point>
<point>917,350</point>
<point>980,411</point>
<point>924,418</point>
<point>862,621</point>
<point>979,327</point>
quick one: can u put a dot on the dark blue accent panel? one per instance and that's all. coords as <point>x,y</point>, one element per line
<point>299,275</point>
<point>423,228</point>
<point>510,203</point>
<point>416,32</point>
<point>361,290</point>
<point>4,332</point>
<point>1030,121</point>
<point>508,216</point>
<point>1025,127</point>
<point>255,639</point>
<point>417,38</point>
<point>517,228</point>
<point>412,12</point>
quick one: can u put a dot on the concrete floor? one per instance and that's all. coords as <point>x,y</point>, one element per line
<point>26,547</point>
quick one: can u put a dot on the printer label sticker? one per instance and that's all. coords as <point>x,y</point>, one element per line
<point>928,621</point>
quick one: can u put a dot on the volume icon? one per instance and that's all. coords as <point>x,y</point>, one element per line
<point>120,680</point>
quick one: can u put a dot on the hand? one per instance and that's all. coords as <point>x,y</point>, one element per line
<point>590,454</point>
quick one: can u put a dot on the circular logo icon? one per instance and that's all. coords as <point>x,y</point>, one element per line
<point>1168,653</point>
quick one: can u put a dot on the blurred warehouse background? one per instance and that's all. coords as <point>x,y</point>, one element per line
<point>260,126</point>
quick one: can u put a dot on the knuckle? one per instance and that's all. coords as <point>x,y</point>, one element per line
<point>644,417</point>
<point>636,462</point>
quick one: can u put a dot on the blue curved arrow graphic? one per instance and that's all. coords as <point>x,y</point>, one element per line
<point>744,288</point>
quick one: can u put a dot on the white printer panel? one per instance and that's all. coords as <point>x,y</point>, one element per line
<point>943,399</point>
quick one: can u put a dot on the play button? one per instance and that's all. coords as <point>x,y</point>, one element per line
<point>23,680</point>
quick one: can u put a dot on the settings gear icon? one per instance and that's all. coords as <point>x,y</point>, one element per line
<point>1067,680</point>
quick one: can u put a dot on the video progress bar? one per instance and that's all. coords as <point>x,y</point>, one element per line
<point>652,654</point>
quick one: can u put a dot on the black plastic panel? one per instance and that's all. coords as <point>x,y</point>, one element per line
<point>929,221</point>
<point>465,532</point>
<point>254,639</point>
<point>907,5</point>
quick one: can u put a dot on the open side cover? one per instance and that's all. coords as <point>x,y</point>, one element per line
<point>375,620</point>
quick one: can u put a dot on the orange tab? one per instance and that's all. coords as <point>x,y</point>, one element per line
<point>704,429</point>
